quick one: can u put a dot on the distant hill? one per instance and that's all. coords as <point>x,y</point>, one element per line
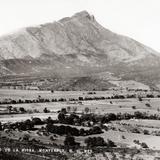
<point>78,47</point>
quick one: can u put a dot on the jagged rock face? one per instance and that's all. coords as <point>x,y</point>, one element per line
<point>73,46</point>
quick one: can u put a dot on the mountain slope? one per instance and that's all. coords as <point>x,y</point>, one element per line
<point>76,46</point>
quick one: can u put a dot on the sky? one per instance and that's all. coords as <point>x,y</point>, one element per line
<point>138,19</point>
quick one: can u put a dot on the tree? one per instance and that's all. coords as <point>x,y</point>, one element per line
<point>68,109</point>
<point>110,143</point>
<point>148,105</point>
<point>26,137</point>
<point>46,110</point>
<point>95,141</point>
<point>61,117</point>
<point>22,110</point>
<point>15,109</point>
<point>52,139</point>
<point>144,145</point>
<point>39,97</point>
<point>138,115</point>
<point>133,107</point>
<point>140,98</point>
<point>69,141</point>
<point>9,108</point>
<point>0,126</point>
<point>29,124</point>
<point>86,110</point>
<point>37,121</point>
<point>63,110</point>
<point>146,132</point>
<point>82,132</point>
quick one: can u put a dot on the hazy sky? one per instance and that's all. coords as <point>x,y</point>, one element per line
<point>139,19</point>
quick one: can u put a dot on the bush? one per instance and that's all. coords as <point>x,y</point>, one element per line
<point>140,98</point>
<point>144,145</point>
<point>61,117</point>
<point>110,143</point>
<point>98,141</point>
<point>133,107</point>
<point>69,141</point>
<point>46,110</point>
<point>0,126</point>
<point>136,142</point>
<point>26,137</point>
<point>22,110</point>
<point>95,141</point>
<point>146,132</point>
<point>37,121</point>
<point>148,105</point>
<point>51,138</point>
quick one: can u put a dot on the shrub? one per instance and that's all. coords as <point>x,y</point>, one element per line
<point>133,107</point>
<point>148,105</point>
<point>46,110</point>
<point>22,110</point>
<point>26,137</point>
<point>37,121</point>
<point>136,142</point>
<point>146,132</point>
<point>140,98</point>
<point>0,126</point>
<point>86,110</point>
<point>69,141</point>
<point>95,141</point>
<point>144,145</point>
<point>51,138</point>
<point>98,141</point>
<point>110,143</point>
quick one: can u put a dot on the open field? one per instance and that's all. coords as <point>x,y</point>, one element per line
<point>33,94</point>
<point>96,106</point>
<point>121,132</point>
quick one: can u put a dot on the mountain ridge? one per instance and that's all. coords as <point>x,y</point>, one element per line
<point>76,46</point>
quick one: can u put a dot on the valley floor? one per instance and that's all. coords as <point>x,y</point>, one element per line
<point>128,134</point>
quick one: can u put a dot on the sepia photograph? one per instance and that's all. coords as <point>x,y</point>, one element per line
<point>80,80</point>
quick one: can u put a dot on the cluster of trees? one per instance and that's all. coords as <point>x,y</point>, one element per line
<point>70,142</point>
<point>22,110</point>
<point>67,130</point>
<point>90,142</point>
<point>143,145</point>
<point>121,116</point>
<point>93,119</point>
<point>74,119</point>
<point>156,133</point>
<point>26,125</point>
<point>20,101</point>
<point>44,100</point>
<point>98,141</point>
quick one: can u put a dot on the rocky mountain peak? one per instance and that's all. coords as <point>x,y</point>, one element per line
<point>84,14</point>
<point>75,46</point>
